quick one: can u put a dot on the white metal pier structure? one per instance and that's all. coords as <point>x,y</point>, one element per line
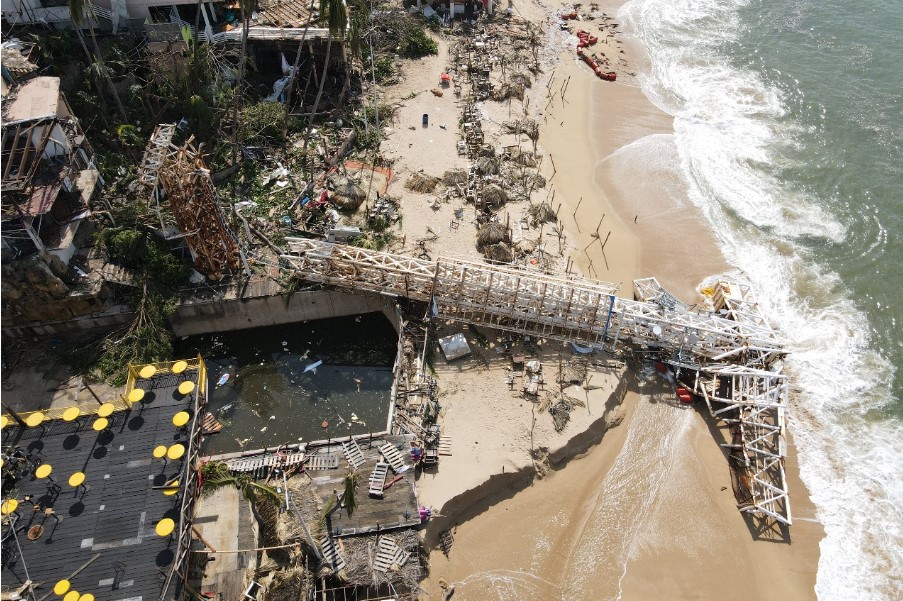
<point>732,354</point>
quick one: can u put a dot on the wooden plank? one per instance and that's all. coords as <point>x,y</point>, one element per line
<point>394,457</point>
<point>378,479</point>
<point>353,454</point>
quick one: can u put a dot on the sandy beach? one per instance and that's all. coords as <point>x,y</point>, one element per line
<point>633,500</point>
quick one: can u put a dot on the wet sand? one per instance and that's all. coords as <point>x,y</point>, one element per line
<point>648,512</point>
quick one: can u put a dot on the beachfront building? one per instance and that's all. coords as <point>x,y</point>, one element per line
<point>49,181</point>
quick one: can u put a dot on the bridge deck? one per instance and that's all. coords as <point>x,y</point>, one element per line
<point>732,351</point>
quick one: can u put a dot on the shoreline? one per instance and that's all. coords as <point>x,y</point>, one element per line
<point>610,133</point>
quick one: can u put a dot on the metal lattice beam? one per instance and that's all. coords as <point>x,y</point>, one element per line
<point>730,351</point>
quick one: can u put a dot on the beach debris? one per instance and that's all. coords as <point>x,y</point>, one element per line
<point>264,429</point>
<point>541,213</point>
<point>500,253</point>
<point>493,196</point>
<point>313,366</point>
<point>325,424</point>
<point>223,379</point>
<point>454,177</point>
<point>272,417</point>
<point>437,92</point>
<point>487,166</point>
<point>492,233</point>
<point>446,540</point>
<point>242,441</point>
<point>422,183</point>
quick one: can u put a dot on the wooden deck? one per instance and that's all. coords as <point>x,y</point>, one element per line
<point>397,508</point>
<point>107,527</point>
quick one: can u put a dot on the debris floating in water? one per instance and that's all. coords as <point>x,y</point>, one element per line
<point>263,429</point>
<point>313,366</point>
<point>325,424</point>
<point>222,380</point>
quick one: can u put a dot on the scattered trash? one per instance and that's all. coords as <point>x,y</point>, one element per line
<point>313,366</point>
<point>222,380</point>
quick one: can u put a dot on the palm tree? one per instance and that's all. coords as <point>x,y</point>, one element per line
<point>337,20</point>
<point>216,475</point>
<point>77,11</point>
<point>349,501</point>
<point>247,8</point>
<point>291,80</point>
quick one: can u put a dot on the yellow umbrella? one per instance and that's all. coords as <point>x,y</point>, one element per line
<point>4,420</point>
<point>106,410</point>
<point>43,470</point>
<point>135,395</point>
<point>172,489</point>
<point>165,527</point>
<point>61,587</point>
<point>160,451</point>
<point>100,424</point>
<point>186,387</point>
<point>71,414</point>
<point>35,419</point>
<point>175,451</point>
<point>179,366</point>
<point>71,596</point>
<point>8,506</point>
<point>180,419</point>
<point>77,479</point>
<point>86,597</point>
<point>147,371</point>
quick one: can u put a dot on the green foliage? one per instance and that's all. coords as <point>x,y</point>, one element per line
<point>216,475</point>
<point>55,48</point>
<point>434,23</point>
<point>349,501</point>
<point>417,43</point>
<point>130,135</point>
<point>160,274</point>
<point>373,240</point>
<point>201,116</point>
<point>260,124</point>
<point>336,15</point>
<point>384,69</point>
<point>144,253</point>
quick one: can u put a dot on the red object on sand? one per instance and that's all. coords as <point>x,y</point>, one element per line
<point>445,77</point>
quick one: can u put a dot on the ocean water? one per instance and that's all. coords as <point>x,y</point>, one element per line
<point>788,125</point>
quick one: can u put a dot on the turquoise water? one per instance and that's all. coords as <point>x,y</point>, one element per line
<point>788,119</point>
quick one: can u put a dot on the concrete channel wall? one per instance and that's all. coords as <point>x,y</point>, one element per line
<point>261,303</point>
<point>239,313</point>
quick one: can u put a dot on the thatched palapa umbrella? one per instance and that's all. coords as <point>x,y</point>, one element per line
<point>348,194</point>
<point>491,233</point>
<point>422,183</point>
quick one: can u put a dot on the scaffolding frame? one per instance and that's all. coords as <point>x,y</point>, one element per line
<point>736,344</point>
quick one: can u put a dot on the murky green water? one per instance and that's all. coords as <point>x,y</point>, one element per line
<point>274,395</point>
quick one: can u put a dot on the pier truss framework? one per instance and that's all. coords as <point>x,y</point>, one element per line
<point>731,355</point>
<point>193,204</point>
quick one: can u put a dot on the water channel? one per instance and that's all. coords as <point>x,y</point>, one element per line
<point>297,382</point>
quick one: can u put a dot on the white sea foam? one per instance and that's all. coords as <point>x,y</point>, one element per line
<point>730,127</point>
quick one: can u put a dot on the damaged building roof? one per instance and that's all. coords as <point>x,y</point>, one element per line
<point>37,98</point>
